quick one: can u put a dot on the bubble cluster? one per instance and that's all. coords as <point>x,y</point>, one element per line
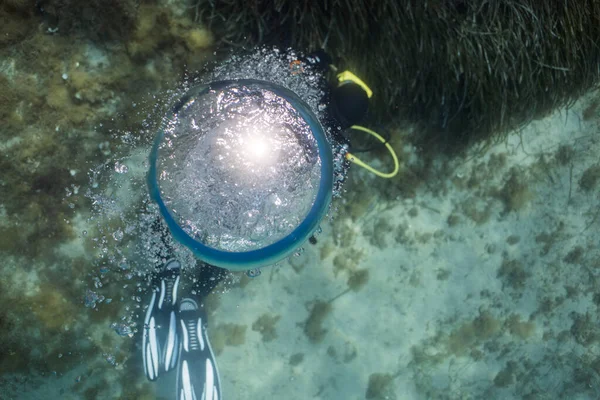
<point>125,229</point>
<point>239,168</point>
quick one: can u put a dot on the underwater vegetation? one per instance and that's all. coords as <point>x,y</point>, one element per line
<point>60,77</point>
<point>96,19</point>
<point>463,70</point>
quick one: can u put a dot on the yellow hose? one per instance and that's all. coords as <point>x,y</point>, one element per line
<point>353,159</point>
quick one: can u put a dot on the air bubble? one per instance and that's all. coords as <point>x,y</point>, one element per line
<point>121,168</point>
<point>118,235</point>
<point>253,273</point>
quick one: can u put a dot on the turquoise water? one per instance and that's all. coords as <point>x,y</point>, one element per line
<point>464,277</point>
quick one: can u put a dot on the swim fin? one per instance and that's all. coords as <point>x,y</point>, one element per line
<point>160,344</point>
<point>197,377</point>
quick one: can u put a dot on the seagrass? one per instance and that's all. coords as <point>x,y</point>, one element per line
<point>462,70</point>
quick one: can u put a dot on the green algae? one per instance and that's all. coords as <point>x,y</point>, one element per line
<point>265,325</point>
<point>313,326</point>
<point>227,335</point>
<point>515,193</point>
<point>296,359</point>
<point>590,177</point>
<point>513,273</point>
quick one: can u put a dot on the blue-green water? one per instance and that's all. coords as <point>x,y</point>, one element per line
<point>466,277</point>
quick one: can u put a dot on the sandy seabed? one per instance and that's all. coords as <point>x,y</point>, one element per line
<point>487,288</point>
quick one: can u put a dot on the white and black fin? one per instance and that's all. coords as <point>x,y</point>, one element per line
<point>160,345</point>
<point>197,377</point>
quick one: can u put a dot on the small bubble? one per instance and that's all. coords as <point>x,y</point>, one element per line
<point>118,235</point>
<point>122,329</point>
<point>253,273</point>
<point>91,298</point>
<point>110,359</point>
<point>121,168</point>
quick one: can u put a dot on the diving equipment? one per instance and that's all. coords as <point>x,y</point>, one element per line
<point>197,375</point>
<point>349,105</point>
<point>160,343</point>
<point>175,334</point>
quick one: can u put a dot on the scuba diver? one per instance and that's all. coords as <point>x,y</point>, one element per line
<point>175,327</point>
